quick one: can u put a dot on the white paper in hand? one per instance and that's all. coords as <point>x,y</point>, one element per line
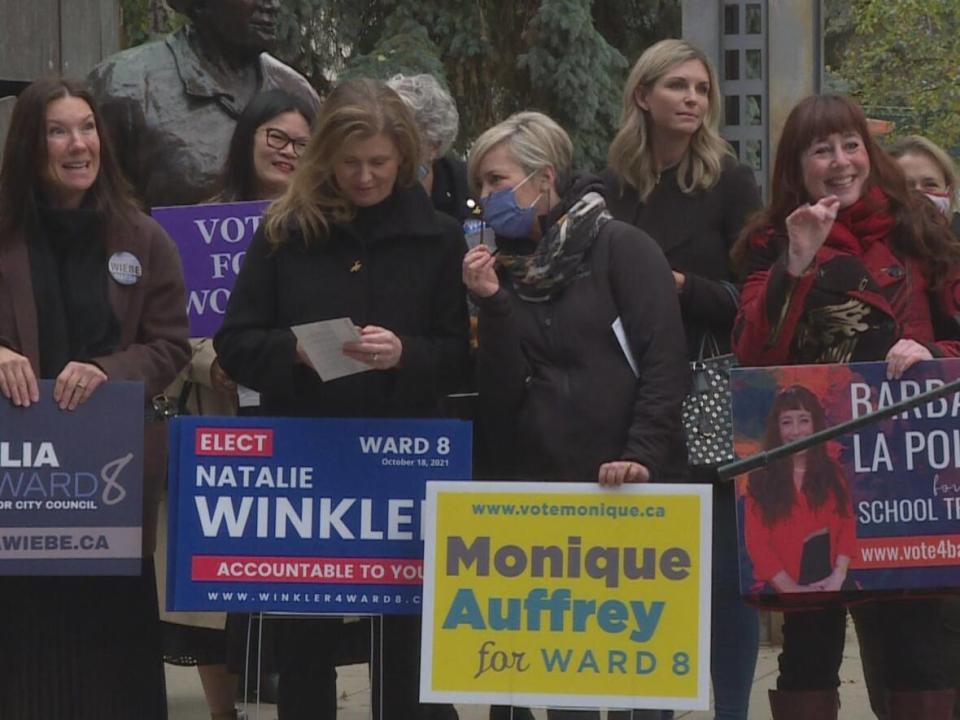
<point>625,345</point>
<point>323,341</point>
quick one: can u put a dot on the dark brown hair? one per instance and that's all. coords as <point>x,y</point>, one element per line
<point>920,230</point>
<point>238,181</point>
<point>773,490</point>
<point>25,157</point>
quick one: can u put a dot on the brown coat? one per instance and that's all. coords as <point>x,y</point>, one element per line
<point>153,328</point>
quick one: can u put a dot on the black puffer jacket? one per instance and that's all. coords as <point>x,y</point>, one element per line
<point>555,386</point>
<point>396,265</point>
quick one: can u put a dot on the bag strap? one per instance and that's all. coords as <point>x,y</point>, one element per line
<point>184,399</point>
<point>708,343</point>
<point>732,290</point>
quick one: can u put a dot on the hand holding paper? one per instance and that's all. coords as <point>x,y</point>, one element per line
<point>323,344</point>
<point>377,347</point>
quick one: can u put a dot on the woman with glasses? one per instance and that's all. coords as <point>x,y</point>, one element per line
<point>271,135</point>
<point>354,236</point>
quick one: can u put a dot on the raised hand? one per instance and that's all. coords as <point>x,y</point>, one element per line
<point>808,227</point>
<point>479,274</point>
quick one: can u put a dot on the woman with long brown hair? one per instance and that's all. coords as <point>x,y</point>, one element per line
<point>847,264</point>
<point>82,647</point>
<point>799,506</point>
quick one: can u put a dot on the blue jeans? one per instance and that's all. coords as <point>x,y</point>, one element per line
<point>736,625</point>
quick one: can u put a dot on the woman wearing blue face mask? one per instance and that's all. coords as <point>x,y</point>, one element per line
<point>549,359</point>
<point>555,383</point>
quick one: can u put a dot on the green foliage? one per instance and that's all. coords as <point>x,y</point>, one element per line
<point>905,55</point>
<point>566,58</point>
<point>405,47</point>
<point>145,20</point>
<point>502,56</point>
<point>576,76</point>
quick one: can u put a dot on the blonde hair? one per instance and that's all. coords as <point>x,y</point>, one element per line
<point>356,109</point>
<point>919,145</point>
<point>535,141</point>
<point>631,152</point>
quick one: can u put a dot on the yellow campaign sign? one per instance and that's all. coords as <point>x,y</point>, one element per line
<point>567,595</point>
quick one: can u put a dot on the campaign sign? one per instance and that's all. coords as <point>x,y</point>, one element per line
<point>567,595</point>
<point>877,509</point>
<point>304,515</point>
<point>212,240</point>
<point>71,484</point>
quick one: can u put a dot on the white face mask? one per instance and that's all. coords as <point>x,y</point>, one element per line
<point>941,200</point>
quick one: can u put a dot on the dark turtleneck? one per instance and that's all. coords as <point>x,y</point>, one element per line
<point>68,269</point>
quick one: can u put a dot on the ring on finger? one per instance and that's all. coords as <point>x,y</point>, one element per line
<point>81,385</point>
<point>375,356</point>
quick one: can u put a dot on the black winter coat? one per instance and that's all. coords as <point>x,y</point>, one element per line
<point>396,265</point>
<point>555,382</point>
<point>696,233</point>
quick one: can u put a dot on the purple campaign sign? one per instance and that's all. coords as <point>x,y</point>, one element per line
<point>212,240</point>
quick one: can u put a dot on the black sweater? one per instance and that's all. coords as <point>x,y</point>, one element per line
<point>696,233</point>
<point>396,265</point>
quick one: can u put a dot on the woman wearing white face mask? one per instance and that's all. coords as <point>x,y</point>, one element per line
<point>565,400</point>
<point>931,171</point>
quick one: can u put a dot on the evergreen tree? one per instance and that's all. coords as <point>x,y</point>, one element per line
<point>566,58</point>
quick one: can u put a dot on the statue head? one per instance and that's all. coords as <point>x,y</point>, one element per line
<point>243,26</point>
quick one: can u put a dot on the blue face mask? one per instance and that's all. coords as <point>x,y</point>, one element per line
<point>509,220</point>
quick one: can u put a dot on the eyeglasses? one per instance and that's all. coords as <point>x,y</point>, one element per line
<point>278,140</point>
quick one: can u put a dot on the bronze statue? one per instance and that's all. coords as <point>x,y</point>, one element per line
<point>170,106</point>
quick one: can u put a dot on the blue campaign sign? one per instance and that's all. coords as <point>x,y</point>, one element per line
<point>304,515</point>
<point>71,484</point>
<point>877,509</point>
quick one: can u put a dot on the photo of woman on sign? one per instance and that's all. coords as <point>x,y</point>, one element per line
<point>799,524</point>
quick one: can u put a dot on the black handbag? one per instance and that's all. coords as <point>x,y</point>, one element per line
<point>707,416</point>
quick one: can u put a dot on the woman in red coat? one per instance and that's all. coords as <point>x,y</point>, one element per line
<point>848,264</point>
<point>799,525</point>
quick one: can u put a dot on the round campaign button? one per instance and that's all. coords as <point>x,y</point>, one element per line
<point>124,268</point>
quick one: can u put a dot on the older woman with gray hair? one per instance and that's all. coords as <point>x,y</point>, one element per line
<point>443,177</point>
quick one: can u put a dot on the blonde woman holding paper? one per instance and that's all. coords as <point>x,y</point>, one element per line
<point>355,237</point>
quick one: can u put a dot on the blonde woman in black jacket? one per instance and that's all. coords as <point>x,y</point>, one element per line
<point>673,176</point>
<point>354,236</point>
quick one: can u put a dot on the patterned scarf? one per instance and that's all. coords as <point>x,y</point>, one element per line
<point>559,257</point>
